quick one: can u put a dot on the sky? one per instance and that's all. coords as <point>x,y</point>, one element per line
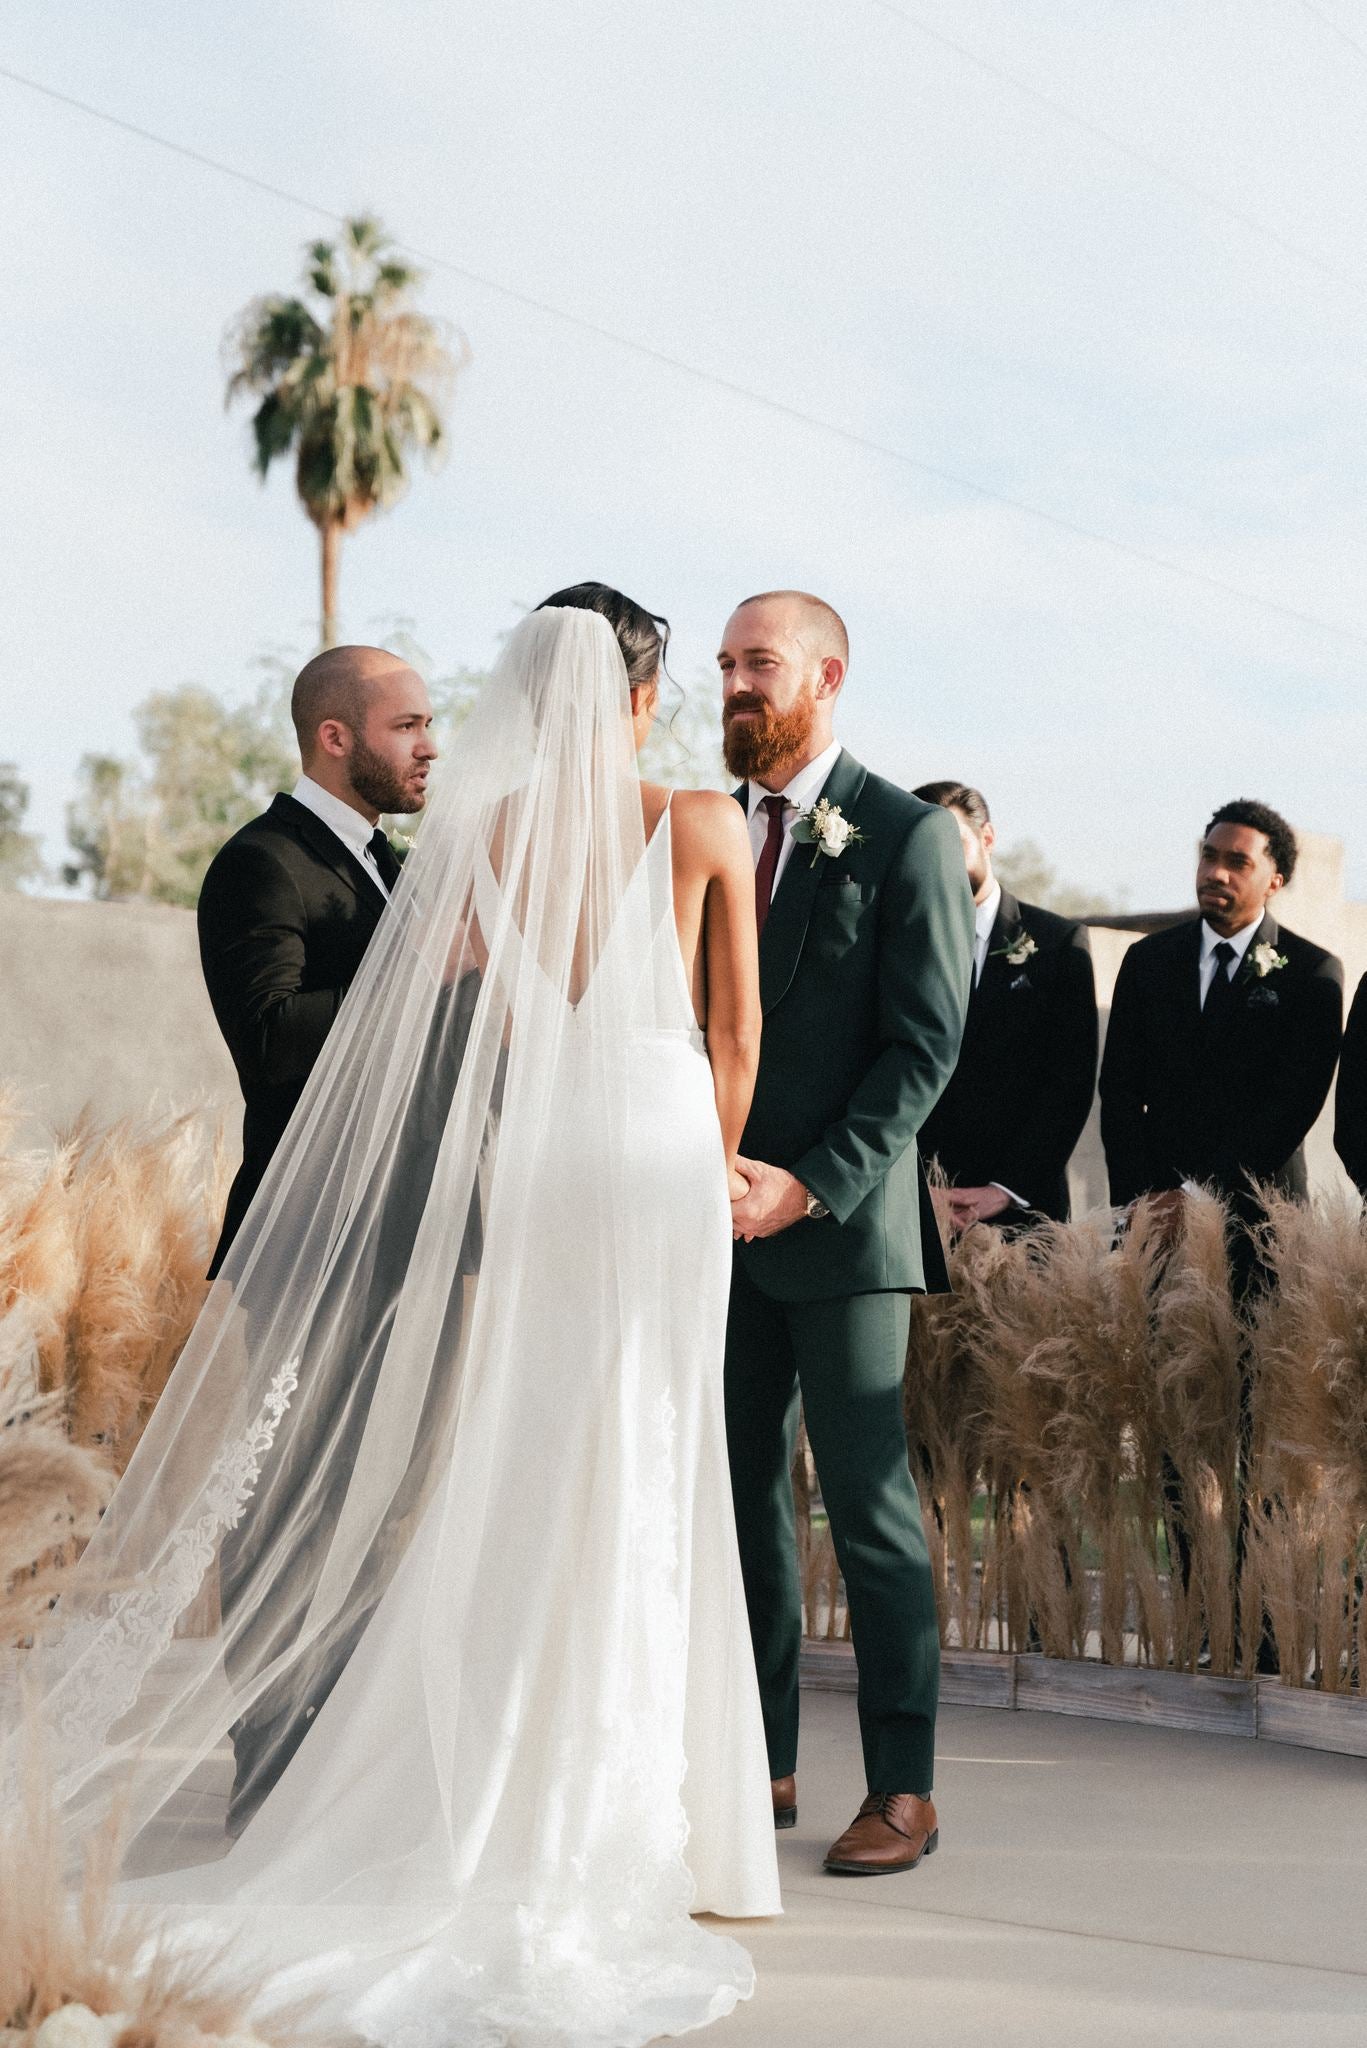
<point>1072,296</point>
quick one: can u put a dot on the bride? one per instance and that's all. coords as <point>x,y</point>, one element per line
<point>433,1521</point>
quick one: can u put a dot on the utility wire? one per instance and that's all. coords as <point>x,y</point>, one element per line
<point>864,442</point>
<point>1333,27</point>
<point>1131,150</point>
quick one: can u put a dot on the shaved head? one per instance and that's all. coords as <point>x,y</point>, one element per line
<point>364,719</point>
<point>818,625</point>
<point>339,683</point>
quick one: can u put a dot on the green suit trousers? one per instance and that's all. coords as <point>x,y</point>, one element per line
<point>844,1361</point>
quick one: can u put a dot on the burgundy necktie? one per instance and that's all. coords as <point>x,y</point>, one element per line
<point>767,866</point>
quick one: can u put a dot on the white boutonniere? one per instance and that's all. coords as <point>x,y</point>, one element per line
<point>826,828</point>
<point>1019,948</point>
<point>1264,960</point>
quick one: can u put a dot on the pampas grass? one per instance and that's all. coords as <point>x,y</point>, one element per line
<point>1044,1395</point>
<point>64,1946</point>
<point>105,1236</point>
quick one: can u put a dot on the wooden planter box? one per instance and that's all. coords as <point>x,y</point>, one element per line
<point>1252,1708</point>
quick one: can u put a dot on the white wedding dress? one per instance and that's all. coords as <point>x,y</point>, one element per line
<point>545,1753</point>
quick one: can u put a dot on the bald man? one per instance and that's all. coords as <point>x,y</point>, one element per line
<point>866,944</point>
<point>289,905</point>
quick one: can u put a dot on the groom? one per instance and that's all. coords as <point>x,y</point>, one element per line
<point>866,949</point>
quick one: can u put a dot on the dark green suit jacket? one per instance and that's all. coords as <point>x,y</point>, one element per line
<point>865,968</point>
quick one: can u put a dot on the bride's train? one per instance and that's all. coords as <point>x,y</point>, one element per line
<point>493,1257</point>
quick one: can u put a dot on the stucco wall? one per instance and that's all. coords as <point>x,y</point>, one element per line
<point>103,1004</point>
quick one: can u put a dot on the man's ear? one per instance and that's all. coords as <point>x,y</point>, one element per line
<point>1278,882</point>
<point>989,836</point>
<point>832,676</point>
<point>334,738</point>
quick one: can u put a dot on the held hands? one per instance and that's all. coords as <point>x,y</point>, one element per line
<point>975,1205</point>
<point>769,1200</point>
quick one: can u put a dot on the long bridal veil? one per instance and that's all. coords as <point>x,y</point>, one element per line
<point>472,1126</point>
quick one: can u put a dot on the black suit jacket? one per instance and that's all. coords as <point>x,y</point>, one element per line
<point>1021,1092</point>
<point>1350,1100</point>
<point>285,916</point>
<point>1185,1098</point>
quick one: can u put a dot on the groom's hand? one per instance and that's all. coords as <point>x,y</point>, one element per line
<point>774,1200</point>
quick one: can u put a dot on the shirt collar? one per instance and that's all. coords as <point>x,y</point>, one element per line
<point>985,913</point>
<point>1241,941</point>
<point>351,828</point>
<point>804,789</point>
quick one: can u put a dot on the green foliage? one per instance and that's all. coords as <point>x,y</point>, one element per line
<point>1027,873</point>
<point>150,828</point>
<point>19,857</point>
<point>350,378</point>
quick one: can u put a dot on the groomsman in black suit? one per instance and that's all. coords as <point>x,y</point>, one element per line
<point>290,904</point>
<point>1223,1036</point>
<point>1350,1099</point>
<point>288,908</point>
<point>1006,1126</point>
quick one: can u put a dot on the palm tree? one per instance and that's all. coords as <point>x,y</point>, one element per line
<point>351,378</point>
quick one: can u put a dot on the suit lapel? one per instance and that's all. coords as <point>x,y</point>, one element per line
<point>785,928</point>
<point>328,847</point>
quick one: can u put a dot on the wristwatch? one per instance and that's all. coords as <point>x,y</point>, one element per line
<point>816,1208</point>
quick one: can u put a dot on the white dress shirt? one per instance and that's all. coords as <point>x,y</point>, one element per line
<point>1241,941</point>
<point>343,822</point>
<point>984,917</point>
<point>799,795</point>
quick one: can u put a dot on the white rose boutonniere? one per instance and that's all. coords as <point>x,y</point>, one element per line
<point>1265,959</point>
<point>827,829</point>
<point>1019,948</point>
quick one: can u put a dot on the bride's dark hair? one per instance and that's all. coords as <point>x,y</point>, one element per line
<point>642,636</point>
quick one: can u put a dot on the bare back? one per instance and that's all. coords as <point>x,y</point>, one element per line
<point>713,887</point>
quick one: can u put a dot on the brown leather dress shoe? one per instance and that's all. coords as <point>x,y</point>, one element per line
<point>785,1801</point>
<point>891,1831</point>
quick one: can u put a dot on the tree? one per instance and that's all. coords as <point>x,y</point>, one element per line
<point>20,861</point>
<point>107,830</point>
<point>351,379</point>
<point>151,828</point>
<point>1026,872</point>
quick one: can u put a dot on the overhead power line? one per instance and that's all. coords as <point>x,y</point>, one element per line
<point>1151,163</point>
<point>1334,27</point>
<point>780,408</point>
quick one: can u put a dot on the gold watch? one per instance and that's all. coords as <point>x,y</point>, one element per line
<point>816,1208</point>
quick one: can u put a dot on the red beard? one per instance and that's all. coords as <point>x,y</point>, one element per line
<point>754,748</point>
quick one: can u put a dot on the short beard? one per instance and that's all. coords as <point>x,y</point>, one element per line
<point>378,783</point>
<point>754,750</point>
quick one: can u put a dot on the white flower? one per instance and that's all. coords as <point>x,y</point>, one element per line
<point>827,829</point>
<point>1266,960</point>
<point>76,2026</point>
<point>1019,948</point>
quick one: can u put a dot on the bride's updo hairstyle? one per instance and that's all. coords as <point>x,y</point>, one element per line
<point>641,635</point>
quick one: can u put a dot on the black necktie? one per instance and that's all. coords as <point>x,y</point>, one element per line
<point>1220,994</point>
<point>386,860</point>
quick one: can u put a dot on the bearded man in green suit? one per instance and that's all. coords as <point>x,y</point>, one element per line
<point>866,948</point>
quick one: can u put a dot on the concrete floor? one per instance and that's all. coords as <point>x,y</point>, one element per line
<point>1095,1887</point>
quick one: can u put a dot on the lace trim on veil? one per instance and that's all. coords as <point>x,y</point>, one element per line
<point>108,1656</point>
